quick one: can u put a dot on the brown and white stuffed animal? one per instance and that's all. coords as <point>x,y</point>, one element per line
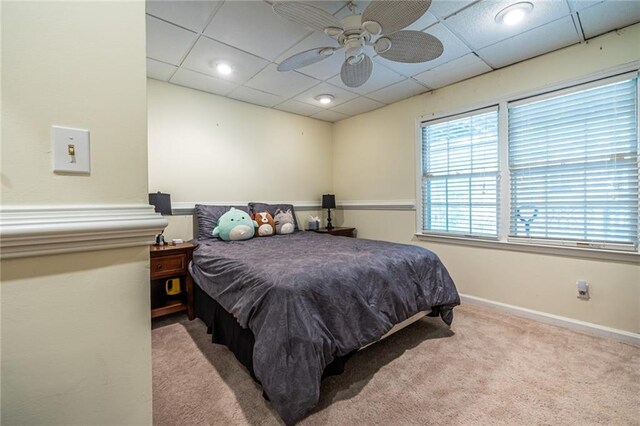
<point>266,224</point>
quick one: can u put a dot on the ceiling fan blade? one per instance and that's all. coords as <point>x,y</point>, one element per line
<point>305,58</point>
<point>304,14</point>
<point>355,75</point>
<point>411,46</point>
<point>394,15</point>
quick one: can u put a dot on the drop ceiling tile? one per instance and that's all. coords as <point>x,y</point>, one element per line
<point>556,35</point>
<point>582,4</point>
<point>254,27</point>
<point>453,49</point>
<point>380,77</point>
<point>445,8</point>
<point>340,95</point>
<point>360,5</point>
<point>330,6</point>
<point>608,16</point>
<point>357,106</point>
<point>398,91</point>
<point>255,97</point>
<point>202,82</point>
<point>159,70</point>
<point>299,108</point>
<point>478,27</point>
<point>206,53</point>
<point>193,15</point>
<point>420,24</point>
<point>457,70</point>
<point>166,42</point>
<point>328,115</point>
<point>423,22</point>
<point>286,84</point>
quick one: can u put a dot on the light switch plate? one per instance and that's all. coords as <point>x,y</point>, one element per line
<point>71,152</point>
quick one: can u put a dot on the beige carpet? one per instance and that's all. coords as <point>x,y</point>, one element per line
<point>490,368</point>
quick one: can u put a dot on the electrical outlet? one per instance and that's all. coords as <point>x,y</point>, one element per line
<point>583,290</point>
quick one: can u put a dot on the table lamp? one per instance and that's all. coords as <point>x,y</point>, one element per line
<point>329,202</point>
<point>162,203</point>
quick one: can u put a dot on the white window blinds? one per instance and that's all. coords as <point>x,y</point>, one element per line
<point>573,161</point>
<point>460,170</point>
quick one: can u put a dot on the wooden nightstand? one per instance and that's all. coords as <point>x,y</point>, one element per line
<point>168,262</point>
<point>336,230</point>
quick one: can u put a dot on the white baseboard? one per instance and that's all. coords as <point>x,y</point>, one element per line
<point>572,324</point>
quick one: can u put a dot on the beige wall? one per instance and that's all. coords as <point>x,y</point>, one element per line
<point>206,148</point>
<point>76,343</point>
<point>374,158</point>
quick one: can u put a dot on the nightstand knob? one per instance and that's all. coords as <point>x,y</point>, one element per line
<point>158,265</point>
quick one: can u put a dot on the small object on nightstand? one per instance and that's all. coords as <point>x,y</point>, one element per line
<point>314,223</point>
<point>171,284</point>
<point>338,231</point>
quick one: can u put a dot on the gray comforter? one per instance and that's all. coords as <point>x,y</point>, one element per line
<point>308,297</point>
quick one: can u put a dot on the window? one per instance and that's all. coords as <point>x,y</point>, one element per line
<point>573,162</point>
<point>460,170</point>
<point>563,165</point>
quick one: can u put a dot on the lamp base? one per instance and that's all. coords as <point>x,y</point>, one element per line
<point>160,240</point>
<point>329,225</point>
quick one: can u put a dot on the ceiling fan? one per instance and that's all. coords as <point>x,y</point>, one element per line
<point>379,26</point>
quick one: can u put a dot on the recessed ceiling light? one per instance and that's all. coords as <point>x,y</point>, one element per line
<point>514,14</point>
<point>325,99</point>
<point>224,69</point>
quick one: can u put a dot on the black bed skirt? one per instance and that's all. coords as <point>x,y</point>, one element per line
<point>225,330</point>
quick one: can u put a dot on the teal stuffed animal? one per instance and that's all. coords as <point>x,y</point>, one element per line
<point>235,225</point>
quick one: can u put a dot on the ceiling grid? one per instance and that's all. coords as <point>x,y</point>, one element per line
<point>187,39</point>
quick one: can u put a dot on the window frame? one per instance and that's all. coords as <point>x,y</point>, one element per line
<point>504,241</point>
<point>437,120</point>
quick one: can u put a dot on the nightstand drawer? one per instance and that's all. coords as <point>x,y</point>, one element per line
<point>337,230</point>
<point>168,265</point>
<point>346,232</point>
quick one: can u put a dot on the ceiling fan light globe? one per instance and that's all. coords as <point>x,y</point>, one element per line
<point>355,59</point>
<point>327,51</point>
<point>333,31</point>
<point>382,45</point>
<point>372,27</point>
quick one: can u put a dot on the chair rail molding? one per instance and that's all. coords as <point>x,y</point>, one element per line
<point>377,204</point>
<point>43,230</point>
<point>187,207</point>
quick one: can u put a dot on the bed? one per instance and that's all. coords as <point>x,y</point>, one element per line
<point>293,308</point>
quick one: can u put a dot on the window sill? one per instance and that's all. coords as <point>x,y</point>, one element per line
<point>585,253</point>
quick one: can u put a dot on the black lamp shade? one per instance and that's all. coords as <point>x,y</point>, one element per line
<point>328,201</point>
<point>162,202</point>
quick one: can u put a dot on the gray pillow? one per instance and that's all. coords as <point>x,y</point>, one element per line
<point>207,218</point>
<point>271,208</point>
